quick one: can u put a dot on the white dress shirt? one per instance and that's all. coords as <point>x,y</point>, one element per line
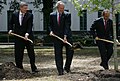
<point>57,16</point>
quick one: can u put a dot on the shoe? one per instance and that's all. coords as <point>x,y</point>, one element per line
<point>35,71</point>
<point>105,66</point>
<point>61,74</point>
<point>67,70</point>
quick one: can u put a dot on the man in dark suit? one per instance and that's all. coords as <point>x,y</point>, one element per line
<point>60,22</point>
<point>21,23</point>
<point>103,28</point>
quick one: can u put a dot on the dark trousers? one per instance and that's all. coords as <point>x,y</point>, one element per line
<point>106,50</point>
<point>58,47</point>
<point>20,45</point>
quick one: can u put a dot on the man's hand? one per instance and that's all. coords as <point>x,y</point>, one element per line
<point>96,38</point>
<point>51,33</point>
<point>10,31</point>
<point>26,36</point>
<point>65,38</point>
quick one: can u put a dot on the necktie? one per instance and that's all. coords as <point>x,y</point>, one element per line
<point>22,18</point>
<point>59,19</point>
<point>105,24</point>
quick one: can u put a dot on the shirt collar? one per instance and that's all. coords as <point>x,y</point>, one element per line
<point>104,20</point>
<point>21,13</point>
<point>58,12</point>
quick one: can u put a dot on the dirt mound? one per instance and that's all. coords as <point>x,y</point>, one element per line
<point>101,75</point>
<point>107,75</point>
<point>9,71</point>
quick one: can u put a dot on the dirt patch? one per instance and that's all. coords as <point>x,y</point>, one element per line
<point>100,75</point>
<point>9,71</point>
<point>85,67</point>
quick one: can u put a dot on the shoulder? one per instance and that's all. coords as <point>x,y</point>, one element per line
<point>67,13</point>
<point>98,19</point>
<point>30,14</point>
<point>52,13</point>
<point>15,13</point>
<point>110,20</point>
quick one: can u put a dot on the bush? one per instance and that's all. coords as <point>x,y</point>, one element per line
<point>6,38</point>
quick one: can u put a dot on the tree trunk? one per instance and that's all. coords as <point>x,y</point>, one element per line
<point>115,42</point>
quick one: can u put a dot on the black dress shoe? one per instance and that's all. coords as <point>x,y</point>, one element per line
<point>35,71</point>
<point>67,70</point>
<point>105,66</point>
<point>61,74</point>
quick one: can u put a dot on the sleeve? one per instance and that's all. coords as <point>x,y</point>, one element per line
<point>11,23</point>
<point>67,24</point>
<point>112,30</point>
<point>93,29</point>
<point>50,24</point>
<point>30,24</point>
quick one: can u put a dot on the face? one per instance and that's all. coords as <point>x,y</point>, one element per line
<point>60,8</point>
<point>23,9</point>
<point>106,15</point>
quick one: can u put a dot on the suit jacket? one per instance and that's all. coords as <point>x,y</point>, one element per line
<point>98,29</point>
<point>65,23</point>
<point>26,27</point>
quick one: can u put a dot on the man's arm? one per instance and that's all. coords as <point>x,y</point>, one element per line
<point>92,29</point>
<point>50,26</point>
<point>67,24</point>
<point>112,30</point>
<point>10,28</point>
<point>30,25</point>
<point>67,30</point>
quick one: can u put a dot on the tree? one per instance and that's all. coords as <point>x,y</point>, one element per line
<point>95,5</point>
<point>1,5</point>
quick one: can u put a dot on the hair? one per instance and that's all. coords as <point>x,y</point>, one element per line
<point>59,3</point>
<point>105,11</point>
<point>21,4</point>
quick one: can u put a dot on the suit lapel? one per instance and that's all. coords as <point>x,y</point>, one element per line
<point>24,18</point>
<point>62,18</point>
<point>102,22</point>
<point>107,27</point>
<point>17,15</point>
<point>55,18</point>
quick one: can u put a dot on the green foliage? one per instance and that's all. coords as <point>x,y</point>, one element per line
<point>14,5</point>
<point>1,5</point>
<point>95,5</point>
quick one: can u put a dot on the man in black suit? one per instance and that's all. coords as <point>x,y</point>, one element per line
<point>21,23</point>
<point>60,22</point>
<point>103,28</point>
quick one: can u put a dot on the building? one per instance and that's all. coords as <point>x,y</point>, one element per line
<point>78,23</point>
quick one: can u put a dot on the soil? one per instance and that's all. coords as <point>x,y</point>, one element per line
<point>85,67</point>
